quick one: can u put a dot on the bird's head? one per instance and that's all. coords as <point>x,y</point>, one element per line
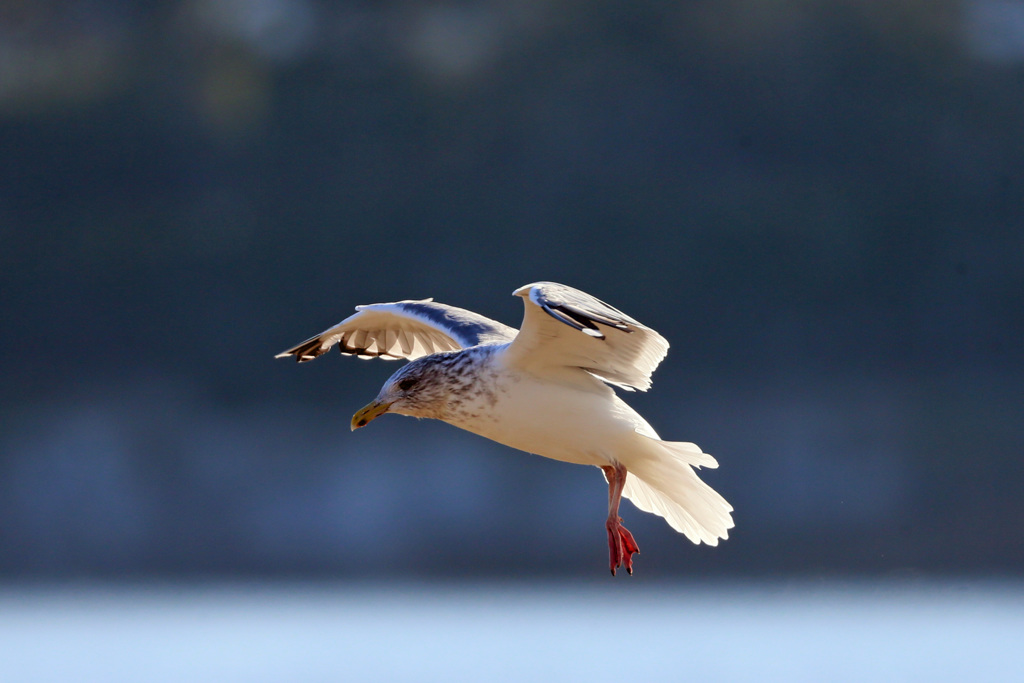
<point>412,390</point>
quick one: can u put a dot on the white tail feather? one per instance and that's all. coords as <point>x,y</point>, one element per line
<point>668,487</point>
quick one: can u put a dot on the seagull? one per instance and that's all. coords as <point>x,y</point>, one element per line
<point>545,389</point>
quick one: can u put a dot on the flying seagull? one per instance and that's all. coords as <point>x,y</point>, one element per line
<point>543,389</point>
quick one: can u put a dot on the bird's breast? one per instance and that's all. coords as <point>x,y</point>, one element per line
<point>574,421</point>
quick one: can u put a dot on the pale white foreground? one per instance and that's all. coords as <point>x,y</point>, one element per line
<point>528,631</point>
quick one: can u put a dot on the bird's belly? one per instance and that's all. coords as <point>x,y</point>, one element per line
<point>583,426</point>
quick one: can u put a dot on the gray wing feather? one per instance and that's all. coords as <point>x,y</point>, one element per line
<point>403,329</point>
<point>578,309</point>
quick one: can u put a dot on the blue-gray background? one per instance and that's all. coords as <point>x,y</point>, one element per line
<point>819,204</point>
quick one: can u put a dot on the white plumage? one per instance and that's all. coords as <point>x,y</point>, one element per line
<point>542,389</point>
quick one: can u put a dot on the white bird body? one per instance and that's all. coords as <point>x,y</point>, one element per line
<point>547,417</point>
<point>544,390</point>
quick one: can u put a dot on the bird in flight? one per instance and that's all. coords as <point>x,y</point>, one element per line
<point>543,389</point>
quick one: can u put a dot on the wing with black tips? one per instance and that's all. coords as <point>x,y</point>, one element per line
<point>403,329</point>
<point>563,326</point>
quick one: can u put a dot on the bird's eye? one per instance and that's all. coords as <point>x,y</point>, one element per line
<point>407,383</point>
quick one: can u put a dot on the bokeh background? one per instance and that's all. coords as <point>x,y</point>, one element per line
<point>819,204</point>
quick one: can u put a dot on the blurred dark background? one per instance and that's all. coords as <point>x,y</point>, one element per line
<point>819,204</point>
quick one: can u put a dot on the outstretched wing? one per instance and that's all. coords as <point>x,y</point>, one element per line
<point>404,329</point>
<point>564,327</point>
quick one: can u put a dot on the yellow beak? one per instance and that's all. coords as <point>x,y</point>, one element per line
<point>368,413</point>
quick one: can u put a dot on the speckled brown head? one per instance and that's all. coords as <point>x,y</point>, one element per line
<point>425,387</point>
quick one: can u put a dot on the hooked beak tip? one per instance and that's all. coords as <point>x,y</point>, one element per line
<point>368,413</point>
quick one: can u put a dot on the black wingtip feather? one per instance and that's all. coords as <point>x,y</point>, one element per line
<point>584,321</point>
<point>306,351</point>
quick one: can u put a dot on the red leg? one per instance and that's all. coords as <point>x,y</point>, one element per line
<point>621,544</point>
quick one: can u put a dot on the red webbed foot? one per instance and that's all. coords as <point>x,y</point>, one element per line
<point>621,546</point>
